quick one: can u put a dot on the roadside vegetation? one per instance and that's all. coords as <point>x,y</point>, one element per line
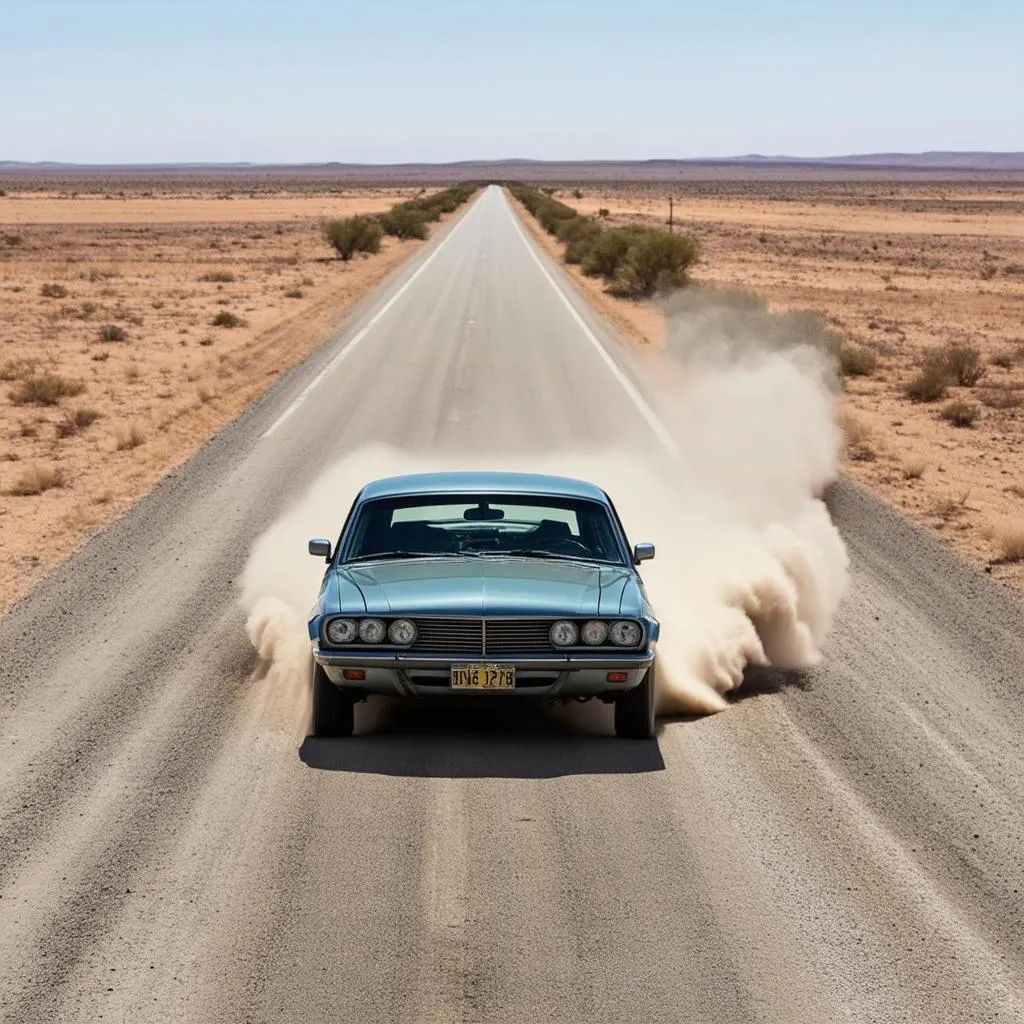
<point>635,262</point>
<point>409,219</point>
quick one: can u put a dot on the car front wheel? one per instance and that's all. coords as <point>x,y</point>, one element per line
<point>333,709</point>
<point>634,710</point>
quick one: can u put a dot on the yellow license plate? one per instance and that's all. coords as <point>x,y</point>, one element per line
<point>483,677</point>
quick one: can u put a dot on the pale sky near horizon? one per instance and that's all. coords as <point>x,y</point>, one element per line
<point>113,81</point>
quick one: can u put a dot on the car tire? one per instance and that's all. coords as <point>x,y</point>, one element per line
<point>333,709</point>
<point>634,710</point>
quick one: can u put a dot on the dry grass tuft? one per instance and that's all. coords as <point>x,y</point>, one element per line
<point>914,470</point>
<point>37,479</point>
<point>53,291</point>
<point>857,362</point>
<point>1008,537</point>
<point>949,506</point>
<point>15,369</point>
<point>77,421</point>
<point>45,389</point>
<point>961,414</point>
<point>857,435</point>
<point>128,436</point>
<point>1001,398</point>
<point>930,384</point>
<point>217,277</point>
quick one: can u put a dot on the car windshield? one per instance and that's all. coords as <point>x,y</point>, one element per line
<point>527,526</point>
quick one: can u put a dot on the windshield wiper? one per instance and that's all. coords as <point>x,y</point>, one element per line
<point>384,556</point>
<point>530,553</point>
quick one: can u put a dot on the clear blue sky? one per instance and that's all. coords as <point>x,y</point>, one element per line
<point>394,80</point>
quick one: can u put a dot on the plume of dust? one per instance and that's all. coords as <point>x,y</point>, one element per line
<point>750,568</point>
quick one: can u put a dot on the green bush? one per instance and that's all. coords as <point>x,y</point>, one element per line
<point>655,262</point>
<point>578,234</point>
<point>608,251</point>
<point>404,222</point>
<point>354,234</point>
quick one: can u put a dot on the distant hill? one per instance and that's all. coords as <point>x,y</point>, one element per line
<point>944,164</point>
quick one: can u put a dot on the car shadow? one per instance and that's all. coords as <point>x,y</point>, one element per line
<point>455,742</point>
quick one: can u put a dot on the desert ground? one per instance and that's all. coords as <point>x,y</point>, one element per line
<point>111,368</point>
<point>899,269</point>
<point>113,371</point>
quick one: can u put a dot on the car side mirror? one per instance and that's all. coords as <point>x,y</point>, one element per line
<point>643,553</point>
<point>320,548</point>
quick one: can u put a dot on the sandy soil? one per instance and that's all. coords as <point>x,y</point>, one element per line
<point>899,269</point>
<point>158,267</point>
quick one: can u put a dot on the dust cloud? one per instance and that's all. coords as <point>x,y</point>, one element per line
<point>750,568</point>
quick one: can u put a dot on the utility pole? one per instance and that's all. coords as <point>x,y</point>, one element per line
<point>670,215</point>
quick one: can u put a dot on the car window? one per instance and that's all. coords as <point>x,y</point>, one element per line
<point>484,525</point>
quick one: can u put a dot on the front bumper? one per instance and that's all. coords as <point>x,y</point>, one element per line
<point>417,675</point>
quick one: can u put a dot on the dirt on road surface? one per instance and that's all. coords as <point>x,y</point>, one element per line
<point>841,844</point>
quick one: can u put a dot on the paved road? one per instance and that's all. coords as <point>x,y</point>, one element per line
<point>842,847</point>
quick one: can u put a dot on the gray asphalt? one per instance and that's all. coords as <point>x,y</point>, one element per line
<point>843,845</point>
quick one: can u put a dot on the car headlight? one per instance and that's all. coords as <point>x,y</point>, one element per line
<point>594,633</point>
<point>372,631</point>
<point>402,632</point>
<point>564,633</point>
<point>341,631</point>
<point>626,634</point>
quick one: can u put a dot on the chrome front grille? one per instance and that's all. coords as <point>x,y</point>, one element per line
<point>449,636</point>
<point>518,636</point>
<point>482,637</point>
<point>494,637</point>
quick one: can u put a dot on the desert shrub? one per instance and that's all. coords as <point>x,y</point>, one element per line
<point>577,193</point>
<point>76,421</point>
<point>37,479</point>
<point>12,240</point>
<point>404,222</point>
<point>988,271</point>
<point>961,414</point>
<point>929,385</point>
<point>856,362</point>
<point>1014,269</point>
<point>217,277</point>
<point>549,212</point>
<point>227,319</point>
<point>353,234</point>
<point>604,213</point>
<point>579,235</point>
<point>655,262</point>
<point>294,293</point>
<point>45,389</point>
<point>914,470</point>
<point>1004,360</point>
<point>111,332</point>
<point>962,363</point>
<point>53,291</point>
<point>607,252</point>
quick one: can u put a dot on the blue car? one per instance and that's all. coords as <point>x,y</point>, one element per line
<point>498,585</point>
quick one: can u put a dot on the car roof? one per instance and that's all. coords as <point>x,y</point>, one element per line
<point>482,483</point>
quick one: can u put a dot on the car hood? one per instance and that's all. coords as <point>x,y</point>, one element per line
<point>487,586</point>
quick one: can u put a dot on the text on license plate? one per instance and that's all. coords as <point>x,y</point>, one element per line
<point>483,677</point>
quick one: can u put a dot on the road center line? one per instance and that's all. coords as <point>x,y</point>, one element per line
<point>341,356</point>
<point>659,428</point>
